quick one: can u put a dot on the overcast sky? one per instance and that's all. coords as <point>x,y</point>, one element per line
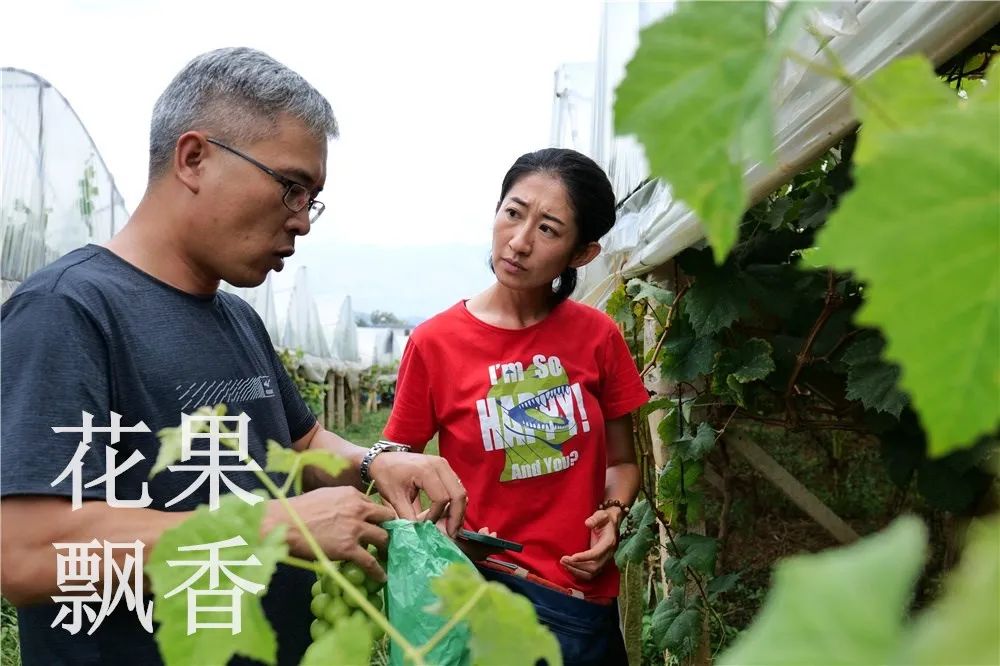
<point>435,100</point>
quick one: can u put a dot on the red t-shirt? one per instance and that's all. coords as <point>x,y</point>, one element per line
<point>520,416</point>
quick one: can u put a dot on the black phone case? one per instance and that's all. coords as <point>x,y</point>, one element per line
<point>488,540</point>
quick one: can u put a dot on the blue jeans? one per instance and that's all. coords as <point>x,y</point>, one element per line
<point>588,633</point>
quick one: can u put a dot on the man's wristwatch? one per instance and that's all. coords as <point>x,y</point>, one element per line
<point>377,448</point>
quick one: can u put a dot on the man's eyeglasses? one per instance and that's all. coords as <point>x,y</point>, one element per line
<point>296,196</point>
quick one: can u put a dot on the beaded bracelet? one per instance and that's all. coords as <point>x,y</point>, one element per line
<point>608,503</point>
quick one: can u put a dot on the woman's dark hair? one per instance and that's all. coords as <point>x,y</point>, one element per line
<point>590,195</point>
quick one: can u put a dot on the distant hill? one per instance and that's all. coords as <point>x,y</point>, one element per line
<point>408,322</point>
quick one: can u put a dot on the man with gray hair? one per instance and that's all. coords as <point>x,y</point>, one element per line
<point>139,328</point>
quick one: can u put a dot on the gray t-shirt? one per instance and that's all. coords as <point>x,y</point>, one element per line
<point>92,333</point>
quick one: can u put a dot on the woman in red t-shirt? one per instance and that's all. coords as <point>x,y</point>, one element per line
<point>530,395</point>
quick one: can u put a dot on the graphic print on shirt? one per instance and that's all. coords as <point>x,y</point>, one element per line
<point>197,394</point>
<point>530,413</point>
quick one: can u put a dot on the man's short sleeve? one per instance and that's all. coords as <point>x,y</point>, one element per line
<point>55,366</point>
<point>300,418</point>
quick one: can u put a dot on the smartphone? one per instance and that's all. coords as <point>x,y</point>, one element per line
<point>487,540</point>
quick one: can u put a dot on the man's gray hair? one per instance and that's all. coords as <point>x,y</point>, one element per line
<point>237,94</point>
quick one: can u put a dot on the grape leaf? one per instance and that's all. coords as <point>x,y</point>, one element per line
<point>720,585</point>
<point>674,569</point>
<point>676,486</point>
<point>920,228</point>
<point>948,484</point>
<point>815,209</point>
<point>716,299</point>
<point>501,622</point>
<point>841,606</point>
<point>681,637</point>
<point>671,480</point>
<point>697,447</point>
<point>172,439</point>
<point>634,548</point>
<point>903,449</point>
<point>170,451</point>
<point>674,627</point>
<point>735,367</point>
<point>655,405</point>
<point>912,98</point>
<point>697,95</point>
<point>685,356</point>
<point>282,459</point>
<point>640,290</point>
<point>870,379</point>
<point>699,552</point>
<point>776,215</point>
<point>348,642</point>
<point>210,647</point>
<point>619,307</point>
<point>669,429</point>
<point>665,613</point>
<point>961,626</point>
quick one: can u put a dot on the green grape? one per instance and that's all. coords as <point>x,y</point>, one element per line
<point>336,611</point>
<point>349,600</point>
<point>330,605</point>
<point>319,604</point>
<point>372,586</point>
<point>377,631</point>
<point>318,628</point>
<point>354,574</point>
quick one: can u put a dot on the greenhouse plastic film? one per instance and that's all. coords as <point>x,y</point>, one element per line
<point>811,112</point>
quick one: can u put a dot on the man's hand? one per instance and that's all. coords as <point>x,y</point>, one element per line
<point>400,476</point>
<point>343,521</point>
<point>603,525</point>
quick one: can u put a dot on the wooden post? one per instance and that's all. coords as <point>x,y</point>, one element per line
<point>330,401</point>
<point>339,403</point>
<point>656,384</point>
<point>663,276</point>
<point>347,401</point>
<point>782,479</point>
<point>660,387</point>
<point>355,384</point>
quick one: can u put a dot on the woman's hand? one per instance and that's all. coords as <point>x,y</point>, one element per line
<point>399,478</point>
<point>477,552</point>
<point>603,525</point>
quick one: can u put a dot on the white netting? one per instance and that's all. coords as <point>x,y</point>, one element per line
<point>262,300</point>
<point>382,346</point>
<point>57,194</point>
<point>573,108</point>
<point>345,334</point>
<point>303,330</point>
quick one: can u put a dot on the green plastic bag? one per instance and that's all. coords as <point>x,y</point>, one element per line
<point>418,553</point>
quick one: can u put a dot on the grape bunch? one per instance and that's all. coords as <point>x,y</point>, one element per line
<point>330,604</point>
